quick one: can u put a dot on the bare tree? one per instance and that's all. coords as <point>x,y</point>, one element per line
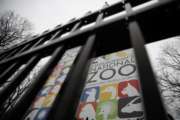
<point>13,29</point>
<point>169,75</point>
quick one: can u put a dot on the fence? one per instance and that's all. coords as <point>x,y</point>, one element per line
<point>137,23</point>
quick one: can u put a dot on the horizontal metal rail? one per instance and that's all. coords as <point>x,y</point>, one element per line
<point>108,11</point>
<point>89,30</point>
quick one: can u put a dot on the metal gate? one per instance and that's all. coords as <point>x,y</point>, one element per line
<point>139,22</point>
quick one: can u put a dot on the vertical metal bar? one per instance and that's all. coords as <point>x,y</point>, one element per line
<point>57,34</point>
<point>71,89</point>
<point>38,42</point>
<point>8,72</point>
<point>13,52</point>
<point>153,105</point>
<point>2,56</point>
<point>42,40</point>
<point>76,27</point>
<point>24,48</point>
<point>66,102</point>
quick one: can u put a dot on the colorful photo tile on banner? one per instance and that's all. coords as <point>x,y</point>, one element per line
<point>130,107</point>
<point>107,110</point>
<point>129,88</point>
<point>90,94</point>
<point>108,92</point>
<point>87,110</point>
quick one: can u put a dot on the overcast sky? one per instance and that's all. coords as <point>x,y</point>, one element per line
<point>46,14</point>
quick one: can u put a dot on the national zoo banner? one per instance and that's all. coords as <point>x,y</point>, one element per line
<point>112,90</point>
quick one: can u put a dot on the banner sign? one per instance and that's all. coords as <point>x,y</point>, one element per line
<point>45,98</point>
<point>112,90</point>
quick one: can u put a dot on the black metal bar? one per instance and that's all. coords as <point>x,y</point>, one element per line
<point>68,97</point>
<point>38,42</point>
<point>18,50</point>
<point>76,27</point>
<point>153,105</point>
<point>71,92</point>
<point>12,52</point>
<point>57,34</point>
<point>100,26</point>
<point>3,55</point>
<point>8,72</point>
<point>24,48</point>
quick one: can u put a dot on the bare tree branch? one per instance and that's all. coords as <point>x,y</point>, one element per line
<point>169,73</point>
<point>13,28</point>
